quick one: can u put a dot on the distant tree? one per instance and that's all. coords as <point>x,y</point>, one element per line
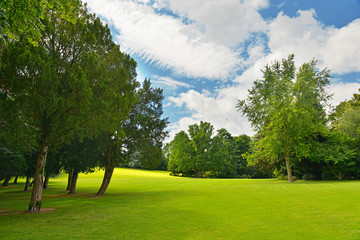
<point>12,164</point>
<point>230,157</point>
<point>286,108</point>
<point>198,154</point>
<point>79,156</point>
<point>336,152</point>
<point>52,167</point>
<point>182,152</point>
<point>201,138</point>
<point>339,111</point>
<point>350,123</point>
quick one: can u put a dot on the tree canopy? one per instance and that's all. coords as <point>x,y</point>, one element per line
<point>286,108</point>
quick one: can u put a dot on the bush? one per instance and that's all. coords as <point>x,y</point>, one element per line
<point>308,176</point>
<point>282,177</point>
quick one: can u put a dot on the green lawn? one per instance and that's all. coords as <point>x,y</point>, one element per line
<point>153,205</point>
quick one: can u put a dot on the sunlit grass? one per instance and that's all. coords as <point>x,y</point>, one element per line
<point>153,205</point>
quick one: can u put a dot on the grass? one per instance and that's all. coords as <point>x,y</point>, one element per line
<point>152,205</point>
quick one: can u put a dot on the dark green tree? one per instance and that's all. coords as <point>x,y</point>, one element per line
<point>121,76</point>
<point>336,152</point>
<point>59,87</point>
<point>145,129</point>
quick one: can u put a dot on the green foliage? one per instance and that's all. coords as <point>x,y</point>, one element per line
<point>286,108</point>
<point>20,18</point>
<point>181,154</point>
<point>350,123</point>
<point>145,129</point>
<point>77,82</point>
<point>338,113</point>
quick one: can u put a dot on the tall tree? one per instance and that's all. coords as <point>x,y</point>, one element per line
<point>143,133</point>
<point>145,129</point>
<point>52,86</point>
<point>286,108</point>
<point>121,75</point>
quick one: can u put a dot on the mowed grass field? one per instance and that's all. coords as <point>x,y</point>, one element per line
<point>153,205</point>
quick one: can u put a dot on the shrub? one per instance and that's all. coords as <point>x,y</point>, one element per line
<point>308,176</point>
<point>282,177</point>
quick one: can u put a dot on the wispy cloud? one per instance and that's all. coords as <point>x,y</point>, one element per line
<point>169,82</point>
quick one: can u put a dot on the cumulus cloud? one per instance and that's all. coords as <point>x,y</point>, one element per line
<point>218,109</point>
<point>343,91</point>
<point>336,48</point>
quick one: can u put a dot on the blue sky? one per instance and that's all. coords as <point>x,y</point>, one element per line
<point>205,54</point>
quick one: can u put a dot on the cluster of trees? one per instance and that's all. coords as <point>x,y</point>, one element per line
<point>200,154</point>
<point>294,135</point>
<point>69,98</point>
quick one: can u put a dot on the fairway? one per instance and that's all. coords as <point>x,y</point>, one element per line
<point>153,205</point>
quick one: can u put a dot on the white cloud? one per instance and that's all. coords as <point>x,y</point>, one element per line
<point>227,22</point>
<point>341,53</point>
<point>336,49</point>
<point>219,110</point>
<point>169,82</point>
<point>206,38</point>
<point>343,91</point>
<point>165,40</point>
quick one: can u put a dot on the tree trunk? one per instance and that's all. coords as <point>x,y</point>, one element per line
<point>109,169</point>
<point>35,200</point>
<point>46,182</point>
<point>15,180</point>
<point>6,182</point>
<point>27,183</point>
<point>74,178</point>
<point>69,180</point>
<point>288,168</point>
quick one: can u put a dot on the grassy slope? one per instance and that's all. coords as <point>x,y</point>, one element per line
<point>153,205</point>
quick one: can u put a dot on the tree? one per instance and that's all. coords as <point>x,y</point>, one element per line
<point>79,156</point>
<point>286,108</point>
<point>24,17</point>
<point>182,152</point>
<point>335,150</point>
<point>350,123</point>
<point>199,153</point>
<point>338,113</point>
<point>52,86</point>
<point>201,138</point>
<point>145,129</point>
<point>121,75</point>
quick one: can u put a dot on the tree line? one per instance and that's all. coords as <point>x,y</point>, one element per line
<point>200,153</point>
<point>295,137</point>
<point>294,134</point>
<point>70,100</point>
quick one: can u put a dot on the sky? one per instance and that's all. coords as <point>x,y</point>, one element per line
<point>205,54</point>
